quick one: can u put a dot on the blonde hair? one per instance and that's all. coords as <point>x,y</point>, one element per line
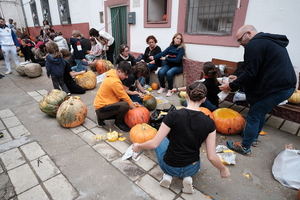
<point>76,33</point>
<point>52,48</point>
<point>182,42</point>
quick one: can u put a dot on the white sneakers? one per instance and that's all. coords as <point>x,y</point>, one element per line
<point>161,90</point>
<point>8,72</point>
<point>187,185</point>
<point>166,181</point>
<point>170,93</point>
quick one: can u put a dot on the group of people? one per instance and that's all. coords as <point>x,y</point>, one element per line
<point>267,78</point>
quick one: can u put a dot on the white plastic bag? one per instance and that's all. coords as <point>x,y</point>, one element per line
<point>286,168</point>
<point>239,96</point>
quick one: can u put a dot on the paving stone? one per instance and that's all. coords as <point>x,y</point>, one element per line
<point>36,193</point>
<point>2,127</point>
<point>6,188</point>
<point>32,151</point>
<point>176,185</point>
<point>89,123</point>
<point>33,94</point>
<point>42,92</point>
<point>225,104</point>
<point>88,137</point>
<point>290,127</point>
<point>19,131</point>
<point>244,112</point>
<point>6,113</point>
<point>44,167</point>
<point>98,130</point>
<point>145,163</point>
<point>12,158</point>
<point>151,154</point>
<point>197,195</point>
<point>1,170</point>
<point>11,122</point>
<point>108,152</point>
<point>274,121</point>
<point>156,172</point>
<point>60,188</point>
<point>128,168</point>
<point>179,198</point>
<point>152,187</point>
<point>6,137</point>
<point>78,129</point>
<point>120,146</point>
<point>22,178</point>
<point>38,98</point>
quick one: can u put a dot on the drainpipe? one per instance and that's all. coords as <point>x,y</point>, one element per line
<point>24,15</point>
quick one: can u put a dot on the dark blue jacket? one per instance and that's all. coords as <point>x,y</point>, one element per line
<point>268,68</point>
<point>55,66</point>
<point>175,55</point>
<point>85,46</point>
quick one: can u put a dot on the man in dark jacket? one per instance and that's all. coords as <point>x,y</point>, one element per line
<point>268,79</point>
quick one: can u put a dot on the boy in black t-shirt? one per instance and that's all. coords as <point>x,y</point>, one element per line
<point>179,139</point>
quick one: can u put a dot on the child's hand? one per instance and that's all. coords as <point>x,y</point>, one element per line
<point>151,57</point>
<point>163,58</point>
<point>136,147</point>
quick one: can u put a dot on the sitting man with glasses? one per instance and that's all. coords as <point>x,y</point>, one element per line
<point>268,79</point>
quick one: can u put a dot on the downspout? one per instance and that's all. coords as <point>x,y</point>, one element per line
<point>24,16</point>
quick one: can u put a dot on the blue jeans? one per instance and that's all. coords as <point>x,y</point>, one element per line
<point>90,57</point>
<point>256,115</point>
<point>180,172</point>
<point>170,73</point>
<point>79,66</point>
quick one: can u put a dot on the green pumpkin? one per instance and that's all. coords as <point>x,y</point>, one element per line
<point>149,102</point>
<point>50,103</point>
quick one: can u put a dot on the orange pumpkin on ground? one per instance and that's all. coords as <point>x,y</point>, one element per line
<point>71,113</point>
<point>142,133</point>
<point>154,86</point>
<point>206,112</point>
<point>228,121</point>
<point>101,66</point>
<point>87,80</point>
<point>137,115</point>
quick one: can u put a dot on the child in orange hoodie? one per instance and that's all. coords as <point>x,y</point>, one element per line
<point>111,100</point>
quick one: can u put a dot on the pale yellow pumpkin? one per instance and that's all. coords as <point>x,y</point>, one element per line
<point>295,98</point>
<point>87,80</point>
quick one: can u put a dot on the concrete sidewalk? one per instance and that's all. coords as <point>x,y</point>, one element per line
<point>41,160</point>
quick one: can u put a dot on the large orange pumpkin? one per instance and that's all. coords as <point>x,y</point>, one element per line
<point>103,66</point>
<point>154,86</point>
<point>142,133</point>
<point>228,121</point>
<point>206,112</point>
<point>87,80</point>
<point>71,113</point>
<point>137,115</point>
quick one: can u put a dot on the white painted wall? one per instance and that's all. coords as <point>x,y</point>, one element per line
<point>80,11</point>
<point>12,9</point>
<point>273,16</point>
<point>138,33</point>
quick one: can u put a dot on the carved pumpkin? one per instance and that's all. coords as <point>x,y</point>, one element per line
<point>33,70</point>
<point>71,113</point>
<point>137,115</point>
<point>206,112</point>
<point>154,86</point>
<point>50,103</point>
<point>295,98</point>
<point>228,121</point>
<point>149,102</point>
<point>142,133</point>
<point>87,80</point>
<point>103,66</point>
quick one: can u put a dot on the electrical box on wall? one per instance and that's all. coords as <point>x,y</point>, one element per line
<point>131,18</point>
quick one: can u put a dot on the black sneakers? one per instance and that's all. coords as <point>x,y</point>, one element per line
<point>122,127</point>
<point>100,123</point>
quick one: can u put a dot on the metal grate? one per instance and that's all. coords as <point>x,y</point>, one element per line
<point>210,17</point>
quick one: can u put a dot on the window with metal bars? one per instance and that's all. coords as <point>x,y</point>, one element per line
<point>210,17</point>
<point>157,11</point>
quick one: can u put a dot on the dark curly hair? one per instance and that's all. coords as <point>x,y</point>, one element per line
<point>151,37</point>
<point>196,91</point>
<point>141,69</point>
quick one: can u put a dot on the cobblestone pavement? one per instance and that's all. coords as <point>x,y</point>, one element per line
<point>41,160</point>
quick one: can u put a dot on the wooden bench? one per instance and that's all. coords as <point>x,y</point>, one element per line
<point>287,111</point>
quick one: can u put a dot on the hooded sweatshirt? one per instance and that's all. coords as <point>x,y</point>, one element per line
<point>55,66</point>
<point>61,42</point>
<point>268,68</point>
<point>111,91</point>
